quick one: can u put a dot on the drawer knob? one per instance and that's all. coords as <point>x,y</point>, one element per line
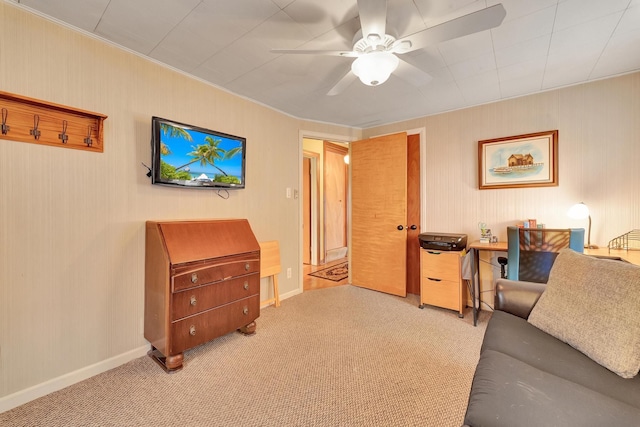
<point>245,310</point>
<point>194,277</point>
<point>247,266</point>
<point>193,300</point>
<point>246,286</point>
<point>192,330</point>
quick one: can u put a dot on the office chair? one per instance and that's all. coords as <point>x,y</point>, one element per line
<point>532,252</point>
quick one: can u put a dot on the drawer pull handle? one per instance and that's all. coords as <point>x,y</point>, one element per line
<point>194,278</point>
<point>435,280</point>
<point>246,286</point>
<point>247,266</point>
<point>193,300</point>
<point>192,330</point>
<point>245,310</point>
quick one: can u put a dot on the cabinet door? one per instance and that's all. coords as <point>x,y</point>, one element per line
<point>441,293</point>
<point>441,265</point>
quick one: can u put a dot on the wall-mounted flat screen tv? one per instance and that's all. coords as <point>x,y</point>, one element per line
<point>194,157</point>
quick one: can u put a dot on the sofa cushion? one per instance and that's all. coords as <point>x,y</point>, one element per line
<point>512,335</point>
<point>593,305</point>
<point>508,392</point>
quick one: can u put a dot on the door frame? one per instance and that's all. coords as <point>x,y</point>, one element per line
<point>348,139</point>
<point>331,146</point>
<point>314,159</point>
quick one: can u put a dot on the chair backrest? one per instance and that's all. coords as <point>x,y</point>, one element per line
<point>269,258</point>
<point>532,252</point>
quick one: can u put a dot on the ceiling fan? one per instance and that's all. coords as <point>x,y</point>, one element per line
<point>376,51</point>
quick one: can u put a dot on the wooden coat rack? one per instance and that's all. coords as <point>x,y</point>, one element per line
<point>40,122</point>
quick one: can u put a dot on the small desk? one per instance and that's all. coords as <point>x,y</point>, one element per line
<point>630,256</point>
<point>476,247</point>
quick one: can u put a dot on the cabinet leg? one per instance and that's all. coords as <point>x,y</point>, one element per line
<point>168,363</point>
<point>249,329</point>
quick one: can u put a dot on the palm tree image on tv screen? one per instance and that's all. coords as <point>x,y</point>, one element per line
<point>202,159</point>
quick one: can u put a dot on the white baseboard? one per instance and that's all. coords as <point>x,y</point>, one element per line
<point>290,294</point>
<point>283,297</point>
<point>27,395</point>
<point>334,254</point>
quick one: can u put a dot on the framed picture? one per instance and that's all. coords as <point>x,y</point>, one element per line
<point>529,160</point>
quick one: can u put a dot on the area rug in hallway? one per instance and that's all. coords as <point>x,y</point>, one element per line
<point>335,273</point>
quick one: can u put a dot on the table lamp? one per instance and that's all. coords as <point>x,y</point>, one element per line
<point>581,211</point>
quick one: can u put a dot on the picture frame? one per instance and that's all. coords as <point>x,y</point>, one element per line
<point>521,161</point>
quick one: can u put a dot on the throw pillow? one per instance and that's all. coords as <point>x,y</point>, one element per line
<point>594,305</point>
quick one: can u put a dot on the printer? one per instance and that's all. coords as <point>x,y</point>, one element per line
<point>443,241</point>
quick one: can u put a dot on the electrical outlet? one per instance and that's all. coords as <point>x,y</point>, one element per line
<point>289,273</point>
<point>288,192</point>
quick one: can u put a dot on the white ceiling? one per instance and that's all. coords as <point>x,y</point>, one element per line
<point>541,45</point>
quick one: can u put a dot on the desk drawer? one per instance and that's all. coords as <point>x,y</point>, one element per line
<point>443,293</point>
<point>203,327</point>
<point>193,301</point>
<point>202,274</point>
<point>440,265</point>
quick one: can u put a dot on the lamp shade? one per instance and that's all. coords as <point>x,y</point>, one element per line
<point>578,211</point>
<point>374,68</point>
<point>581,211</point>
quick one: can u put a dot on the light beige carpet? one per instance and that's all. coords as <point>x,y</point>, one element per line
<point>342,356</point>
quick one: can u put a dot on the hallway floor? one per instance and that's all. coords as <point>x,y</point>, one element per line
<point>311,282</point>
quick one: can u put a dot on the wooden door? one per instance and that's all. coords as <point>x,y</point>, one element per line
<point>335,201</point>
<point>413,214</point>
<point>306,210</point>
<point>378,209</point>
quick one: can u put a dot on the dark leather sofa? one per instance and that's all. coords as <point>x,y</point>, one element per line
<point>526,377</point>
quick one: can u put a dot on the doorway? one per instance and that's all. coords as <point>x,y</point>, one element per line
<point>416,206</point>
<point>324,201</point>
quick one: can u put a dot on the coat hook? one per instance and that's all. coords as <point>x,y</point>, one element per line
<point>36,122</point>
<point>63,136</point>
<point>88,139</point>
<point>5,127</point>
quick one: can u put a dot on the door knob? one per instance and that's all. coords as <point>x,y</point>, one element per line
<point>411,227</point>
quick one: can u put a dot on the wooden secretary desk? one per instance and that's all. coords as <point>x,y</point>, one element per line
<point>202,281</point>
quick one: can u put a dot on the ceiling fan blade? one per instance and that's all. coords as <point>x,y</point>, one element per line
<point>347,53</point>
<point>373,19</point>
<point>481,20</point>
<point>412,74</point>
<point>342,84</point>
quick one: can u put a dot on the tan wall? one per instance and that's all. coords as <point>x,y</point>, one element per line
<point>599,154</point>
<point>72,222</point>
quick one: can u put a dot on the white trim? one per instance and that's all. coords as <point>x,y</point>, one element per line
<point>27,395</point>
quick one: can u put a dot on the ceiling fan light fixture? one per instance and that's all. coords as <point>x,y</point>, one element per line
<point>402,46</point>
<point>374,39</point>
<point>374,68</point>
